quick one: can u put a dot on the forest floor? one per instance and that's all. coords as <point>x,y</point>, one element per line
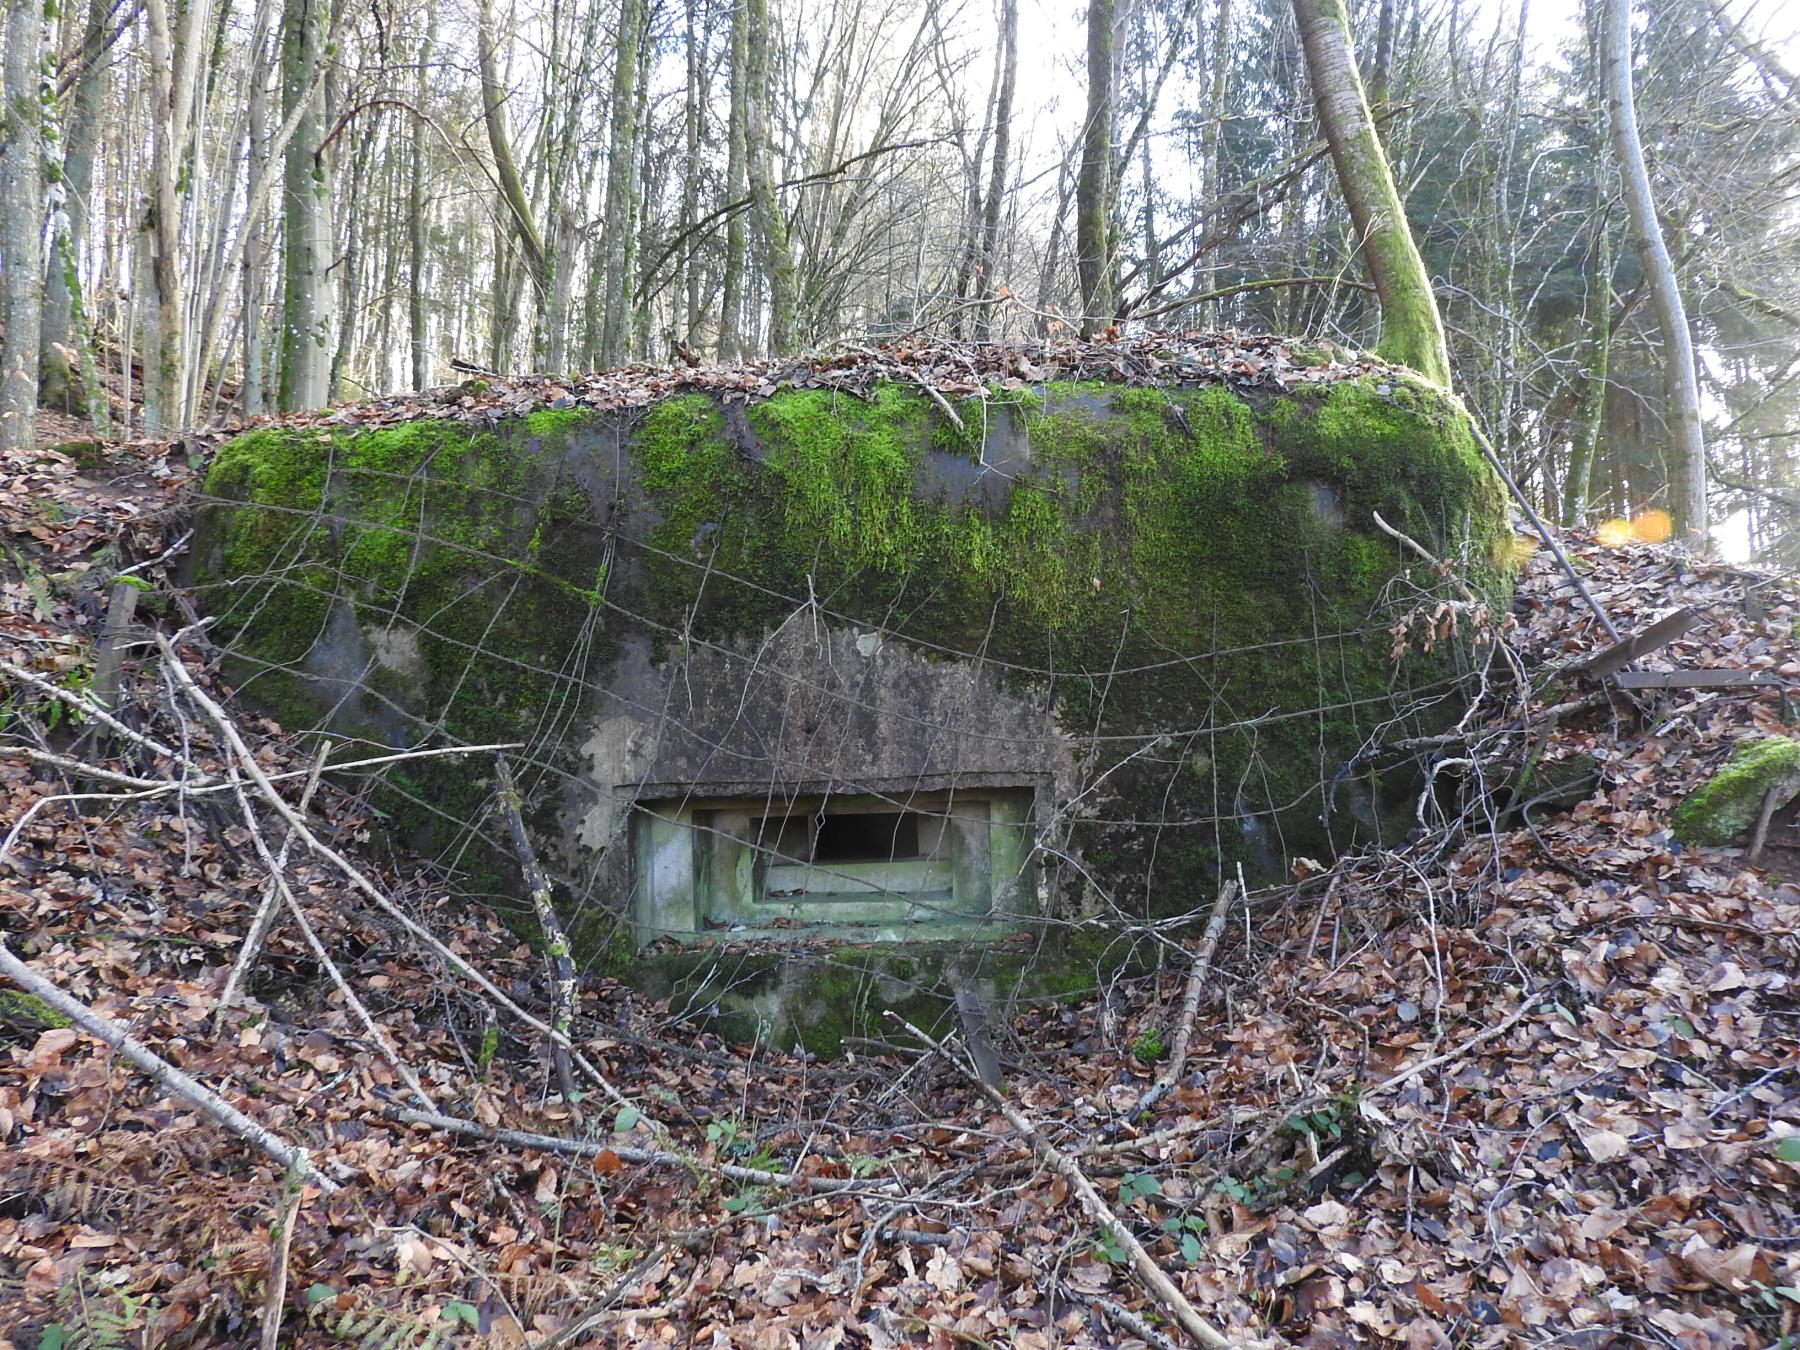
<point>1531,1079</point>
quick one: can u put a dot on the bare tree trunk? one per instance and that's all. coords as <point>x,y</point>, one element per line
<point>1093,190</point>
<point>770,221</point>
<point>513,203</point>
<point>305,318</point>
<point>1411,331</point>
<point>416,314</point>
<point>1213,156</point>
<point>256,251</point>
<point>62,300</point>
<point>621,175</point>
<point>22,191</point>
<point>1687,451</point>
<point>731,309</point>
<point>990,231</point>
<point>688,284</point>
<point>162,228</point>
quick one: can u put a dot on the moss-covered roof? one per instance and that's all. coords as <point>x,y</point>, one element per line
<point>1246,362</point>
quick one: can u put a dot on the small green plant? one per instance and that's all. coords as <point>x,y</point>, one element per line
<point>1136,1185</point>
<point>1148,1048</point>
<point>1187,1230</point>
<point>750,1202</point>
<point>610,1257</point>
<point>727,1135</point>
<point>1109,1249</point>
<point>72,710</point>
<point>97,1316</point>
<point>490,1044</point>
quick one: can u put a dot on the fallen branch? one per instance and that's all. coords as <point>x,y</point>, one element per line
<point>278,886</point>
<point>367,888</point>
<point>556,942</point>
<point>1190,1005</point>
<point>281,1242</point>
<point>164,1074</point>
<point>651,1157</point>
<point>1154,1277</point>
<point>264,918</point>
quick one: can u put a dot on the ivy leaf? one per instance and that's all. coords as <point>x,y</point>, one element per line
<point>318,1293</point>
<point>463,1312</point>
<point>628,1117</point>
<point>1190,1248</point>
<point>1788,1150</point>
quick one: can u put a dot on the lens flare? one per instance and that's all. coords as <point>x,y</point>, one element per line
<point>1613,533</point>
<point>1651,527</point>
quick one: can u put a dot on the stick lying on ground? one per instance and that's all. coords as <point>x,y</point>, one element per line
<point>228,729</point>
<point>1155,1278</point>
<point>164,1074</point>
<point>588,1148</point>
<point>1190,1005</point>
<point>556,942</point>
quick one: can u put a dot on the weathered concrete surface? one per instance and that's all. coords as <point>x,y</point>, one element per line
<point>1161,614</point>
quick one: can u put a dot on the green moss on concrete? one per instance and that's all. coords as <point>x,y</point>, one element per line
<point>1165,552</point>
<point>815,997</point>
<point>1729,804</point>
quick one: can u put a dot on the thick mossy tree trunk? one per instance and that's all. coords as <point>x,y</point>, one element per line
<point>1093,187</point>
<point>1687,450</point>
<point>1412,332</point>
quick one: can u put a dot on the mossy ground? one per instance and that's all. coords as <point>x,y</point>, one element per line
<point>1182,563</point>
<point>1728,805</point>
<point>28,1013</point>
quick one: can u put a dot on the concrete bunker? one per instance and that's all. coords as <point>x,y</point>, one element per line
<point>825,693</point>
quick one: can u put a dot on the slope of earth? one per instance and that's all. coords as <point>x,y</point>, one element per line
<point>1530,1079</point>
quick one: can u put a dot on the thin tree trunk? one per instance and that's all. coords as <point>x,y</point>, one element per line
<point>256,228</point>
<point>416,314</point>
<point>1687,451</point>
<point>621,172</point>
<point>61,285</point>
<point>1093,186</point>
<point>990,230</point>
<point>305,319</point>
<point>1213,154</point>
<point>731,308</point>
<point>1596,358</point>
<point>771,223</point>
<point>22,189</point>
<point>1411,331</point>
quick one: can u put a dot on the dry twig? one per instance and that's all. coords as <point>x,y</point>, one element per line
<point>1154,1277</point>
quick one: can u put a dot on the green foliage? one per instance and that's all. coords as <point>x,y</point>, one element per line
<point>490,1044</point>
<point>1109,1249</point>
<point>368,1325</point>
<point>96,1315</point>
<point>1148,1048</point>
<point>1188,1230</point>
<point>1136,1186</point>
